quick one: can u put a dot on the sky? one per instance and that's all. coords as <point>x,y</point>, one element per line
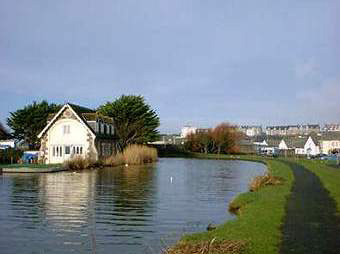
<point>196,62</point>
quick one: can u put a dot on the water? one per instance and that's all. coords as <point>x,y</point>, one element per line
<point>118,210</point>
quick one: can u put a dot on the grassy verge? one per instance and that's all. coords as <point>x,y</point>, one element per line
<point>259,217</point>
<point>329,176</point>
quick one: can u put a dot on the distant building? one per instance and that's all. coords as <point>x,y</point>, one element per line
<point>251,130</point>
<point>8,143</point>
<point>330,142</point>
<point>300,145</point>
<point>6,140</point>
<point>202,130</point>
<point>187,130</point>
<point>331,127</point>
<point>289,130</point>
<point>76,131</point>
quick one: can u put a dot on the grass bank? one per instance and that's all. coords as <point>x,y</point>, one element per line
<point>260,214</point>
<point>329,176</point>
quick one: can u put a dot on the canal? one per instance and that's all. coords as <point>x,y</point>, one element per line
<point>131,210</point>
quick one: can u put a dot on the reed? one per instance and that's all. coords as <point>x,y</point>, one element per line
<point>133,155</point>
<point>139,154</point>
<point>78,163</point>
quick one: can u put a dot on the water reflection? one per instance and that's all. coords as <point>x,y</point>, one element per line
<point>120,210</point>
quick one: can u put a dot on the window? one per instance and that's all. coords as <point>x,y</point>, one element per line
<point>77,149</point>
<point>66,129</point>
<point>81,150</point>
<point>67,149</point>
<point>53,153</point>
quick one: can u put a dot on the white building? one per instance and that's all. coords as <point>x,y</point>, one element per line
<point>283,145</point>
<point>76,131</point>
<point>328,146</point>
<point>311,147</point>
<point>187,130</point>
<point>251,130</point>
<point>10,143</point>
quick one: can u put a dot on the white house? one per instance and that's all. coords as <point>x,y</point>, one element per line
<point>328,146</point>
<point>283,145</point>
<point>9,143</point>
<point>187,130</point>
<point>311,147</point>
<point>76,131</point>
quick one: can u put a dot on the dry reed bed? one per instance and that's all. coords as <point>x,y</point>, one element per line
<point>208,247</point>
<point>133,155</point>
<point>261,181</point>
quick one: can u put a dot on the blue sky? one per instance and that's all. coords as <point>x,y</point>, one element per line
<point>196,62</point>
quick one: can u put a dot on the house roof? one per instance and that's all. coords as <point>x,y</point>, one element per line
<point>4,133</point>
<point>86,114</point>
<point>330,136</point>
<point>78,110</point>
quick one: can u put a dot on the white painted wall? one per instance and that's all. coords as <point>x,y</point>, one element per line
<point>7,143</point>
<point>311,148</point>
<point>328,145</point>
<point>187,130</point>
<point>283,145</point>
<point>77,137</point>
<point>300,151</point>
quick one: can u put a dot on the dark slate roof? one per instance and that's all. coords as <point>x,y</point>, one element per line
<point>80,110</point>
<point>334,135</point>
<point>4,133</point>
<point>86,114</point>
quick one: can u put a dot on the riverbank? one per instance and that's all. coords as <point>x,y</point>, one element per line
<point>31,168</point>
<point>259,217</point>
<point>262,215</point>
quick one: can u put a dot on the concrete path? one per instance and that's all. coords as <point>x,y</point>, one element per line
<point>310,225</point>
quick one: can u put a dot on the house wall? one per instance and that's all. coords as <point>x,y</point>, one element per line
<point>282,145</point>
<point>68,134</point>
<point>187,131</point>
<point>327,146</point>
<point>311,148</point>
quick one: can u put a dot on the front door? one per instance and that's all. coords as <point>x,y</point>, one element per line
<point>67,152</point>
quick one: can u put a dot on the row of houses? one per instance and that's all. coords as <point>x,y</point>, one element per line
<point>299,145</point>
<point>276,130</point>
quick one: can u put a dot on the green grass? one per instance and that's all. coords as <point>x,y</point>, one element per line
<point>329,176</point>
<point>29,165</point>
<point>260,216</point>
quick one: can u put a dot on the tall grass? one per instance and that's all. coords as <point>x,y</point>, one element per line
<point>133,155</point>
<point>79,162</point>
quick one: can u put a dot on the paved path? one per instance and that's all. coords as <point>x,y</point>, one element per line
<point>311,225</point>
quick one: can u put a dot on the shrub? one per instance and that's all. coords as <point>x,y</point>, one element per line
<point>10,155</point>
<point>261,181</point>
<point>78,163</point>
<point>115,160</point>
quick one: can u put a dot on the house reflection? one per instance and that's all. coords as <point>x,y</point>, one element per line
<point>67,198</point>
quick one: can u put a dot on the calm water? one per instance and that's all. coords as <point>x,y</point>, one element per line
<point>121,210</point>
